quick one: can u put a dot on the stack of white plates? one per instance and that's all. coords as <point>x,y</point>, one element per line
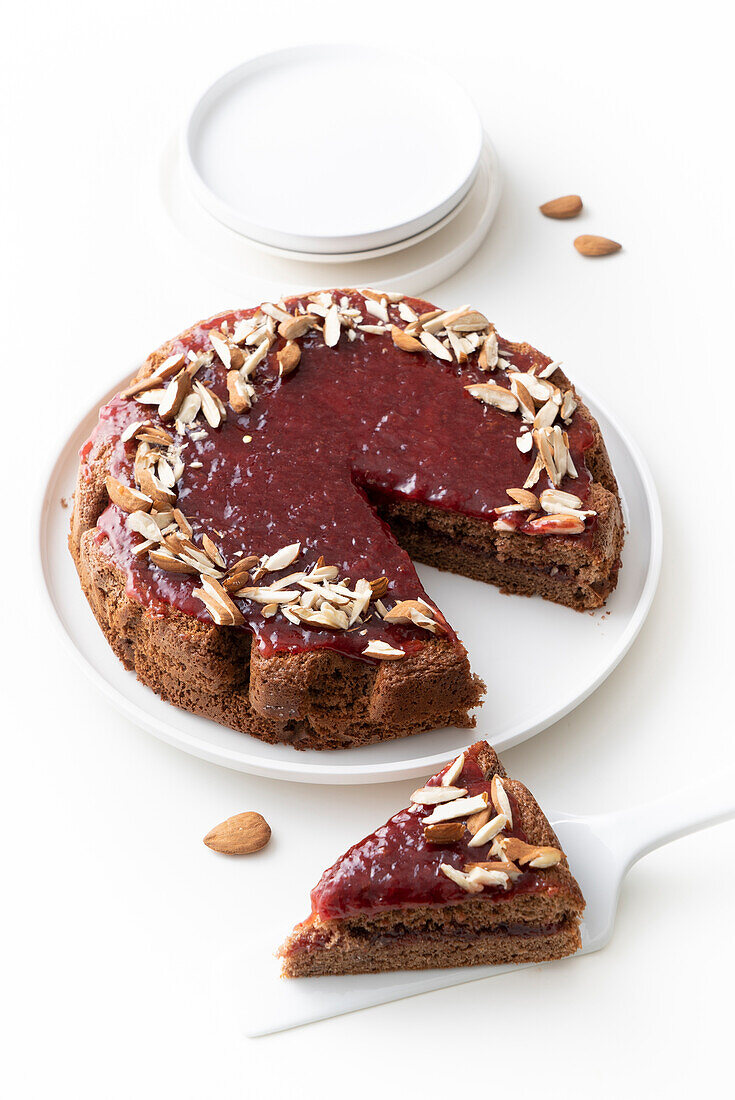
<point>336,164</point>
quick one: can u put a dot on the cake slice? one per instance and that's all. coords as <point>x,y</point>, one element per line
<point>471,873</point>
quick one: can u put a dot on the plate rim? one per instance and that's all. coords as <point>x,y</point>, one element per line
<point>328,246</point>
<point>298,770</point>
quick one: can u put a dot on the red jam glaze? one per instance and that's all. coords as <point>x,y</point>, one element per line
<point>395,867</point>
<point>358,420</point>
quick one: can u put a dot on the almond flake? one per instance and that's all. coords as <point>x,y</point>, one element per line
<point>557,524</point>
<point>485,877</point>
<point>460,807</point>
<point>239,391</point>
<point>460,878</point>
<point>488,357</point>
<point>433,345</point>
<point>288,358</point>
<point>568,405</point>
<point>332,327</point>
<point>406,313</point>
<point>524,443</point>
<point>255,359</point>
<point>453,771</point>
<point>212,551</point>
<point>221,347</point>
<point>144,525</point>
<point>267,595</point>
<point>405,342</point>
<point>522,496</point>
<point>546,857</point>
<point>125,497</point>
<point>377,308</point>
<point>164,559</point>
<point>210,406</point>
<point>382,650</point>
<point>489,831</point>
<point>500,799</point>
<point>297,326</point>
<point>430,796</point>
<point>497,396</point>
<point>548,370</point>
<point>282,558</point>
<point>476,821</point>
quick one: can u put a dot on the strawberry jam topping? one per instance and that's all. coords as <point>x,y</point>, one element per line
<point>396,867</point>
<point>358,422</point>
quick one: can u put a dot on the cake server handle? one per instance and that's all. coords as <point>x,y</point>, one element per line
<point>634,832</point>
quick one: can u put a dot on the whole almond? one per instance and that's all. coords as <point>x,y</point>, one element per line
<point>568,206</point>
<point>239,835</point>
<point>596,246</point>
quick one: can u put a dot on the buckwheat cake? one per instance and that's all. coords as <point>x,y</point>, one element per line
<point>247,509</point>
<point>469,873</point>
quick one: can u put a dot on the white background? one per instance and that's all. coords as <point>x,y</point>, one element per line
<point>122,931</point>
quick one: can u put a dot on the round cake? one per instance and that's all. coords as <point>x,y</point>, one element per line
<point>247,509</point>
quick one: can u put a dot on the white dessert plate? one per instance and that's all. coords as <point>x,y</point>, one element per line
<point>495,628</point>
<point>332,148</point>
<point>601,849</point>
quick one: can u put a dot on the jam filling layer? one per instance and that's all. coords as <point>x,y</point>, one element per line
<point>299,466</point>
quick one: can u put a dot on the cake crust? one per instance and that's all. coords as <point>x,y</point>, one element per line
<point>321,698</point>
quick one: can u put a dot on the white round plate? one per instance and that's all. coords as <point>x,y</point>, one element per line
<point>241,266</point>
<point>332,148</point>
<point>495,628</point>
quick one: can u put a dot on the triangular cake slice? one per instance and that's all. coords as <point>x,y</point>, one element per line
<point>470,873</point>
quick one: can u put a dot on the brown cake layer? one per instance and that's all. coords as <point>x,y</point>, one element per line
<point>320,697</point>
<point>491,928</point>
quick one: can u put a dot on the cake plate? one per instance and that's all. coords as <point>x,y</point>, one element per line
<point>495,628</point>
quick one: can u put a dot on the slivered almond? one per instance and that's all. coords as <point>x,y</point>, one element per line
<point>494,395</point>
<point>378,308</point>
<point>546,453</point>
<point>460,878</point>
<point>446,833</point>
<point>545,857</point>
<point>218,603</point>
<point>488,876</point>
<point>151,484</point>
<point>489,831</point>
<point>379,587</point>
<point>556,525</point>
<point>238,392</point>
<point>222,348</point>
<point>125,497</point>
<point>453,771</point>
<point>288,358</point>
<point>460,807</point>
<point>554,500</point>
<point>144,525</point>
<point>476,821</point>
<point>164,559</point>
<point>435,346</point>
<point>567,206</point>
<point>175,393</point>
<point>465,320</point>
<point>546,415</point>
<point>525,400</point>
<point>297,326</point>
<point>506,866</point>
<point>535,472</point>
<point>159,437</point>
<point>282,558</point>
<point>332,327</point>
<point>524,497</point>
<point>500,799</point>
<point>432,796</point>
<point>405,342</point>
<point>212,551</point>
<point>488,357</point>
<point>524,442</point>
<point>568,405</point>
<point>267,595</point>
<point>383,651</point>
<point>183,523</point>
<point>210,407</point>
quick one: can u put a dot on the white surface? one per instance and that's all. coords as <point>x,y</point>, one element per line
<point>341,115</point>
<point>601,847</point>
<point>494,628</point>
<point>121,931</point>
<point>244,267</point>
